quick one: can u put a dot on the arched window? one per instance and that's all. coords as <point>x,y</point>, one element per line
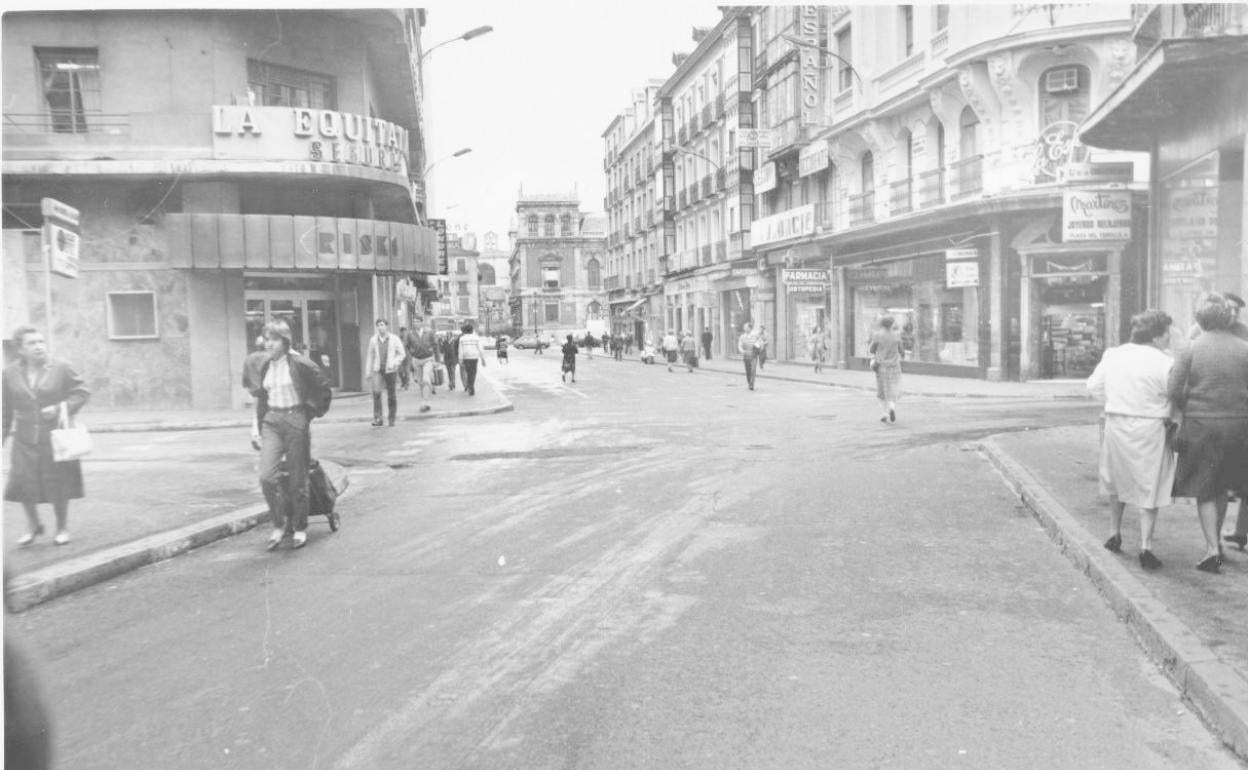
<point>532,225</point>
<point>593,273</point>
<point>594,311</point>
<point>1065,95</point>
<point>868,172</point>
<point>906,148</point>
<point>549,226</point>
<point>485,274</point>
<point>565,224</point>
<point>968,133</point>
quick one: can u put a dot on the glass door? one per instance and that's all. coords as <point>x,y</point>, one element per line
<point>313,322</point>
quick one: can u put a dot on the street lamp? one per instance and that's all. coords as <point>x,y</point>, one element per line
<point>807,44</point>
<point>700,155</point>
<point>469,35</point>
<point>456,154</point>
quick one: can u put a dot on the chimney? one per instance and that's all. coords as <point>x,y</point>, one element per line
<point>699,33</point>
<point>678,58</point>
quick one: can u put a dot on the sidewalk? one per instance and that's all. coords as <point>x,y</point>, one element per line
<point>911,384</point>
<point>155,496</point>
<point>1195,625</point>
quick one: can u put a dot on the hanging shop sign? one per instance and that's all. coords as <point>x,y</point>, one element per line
<point>1056,148</point>
<point>439,227</point>
<point>806,281</point>
<point>60,238</point>
<point>759,138</point>
<point>809,64</point>
<point>961,268</point>
<point>788,224</point>
<point>1096,215</point>
<point>765,178</point>
<point>301,134</point>
<point>812,159</point>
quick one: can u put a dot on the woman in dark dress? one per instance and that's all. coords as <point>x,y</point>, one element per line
<point>35,387</point>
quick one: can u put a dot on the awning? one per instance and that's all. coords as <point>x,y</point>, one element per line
<point>631,309</point>
<point>1162,90</point>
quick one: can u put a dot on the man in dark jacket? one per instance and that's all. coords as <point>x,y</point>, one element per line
<point>706,344</point>
<point>450,357</point>
<point>293,392</point>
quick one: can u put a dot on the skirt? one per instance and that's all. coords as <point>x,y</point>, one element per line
<point>1135,464</point>
<point>1214,459</point>
<point>888,382</point>
<point>35,478</point>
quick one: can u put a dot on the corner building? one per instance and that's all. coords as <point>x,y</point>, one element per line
<point>231,167</point>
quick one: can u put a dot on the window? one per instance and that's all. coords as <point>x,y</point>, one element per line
<point>485,275</point>
<point>868,172</point>
<point>845,50</point>
<point>70,79</point>
<point>1064,95</point>
<point>461,266</point>
<point>278,86</point>
<point>907,31</point>
<point>552,312</point>
<point>968,127</point>
<point>462,306</point>
<point>565,224</point>
<point>549,226</point>
<point>132,315</point>
<point>532,225</point>
<point>942,17</point>
<point>593,272</point>
<point>550,276</point>
<point>461,288</point>
<point>593,311</point>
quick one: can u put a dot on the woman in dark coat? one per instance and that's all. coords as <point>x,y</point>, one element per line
<point>34,389</point>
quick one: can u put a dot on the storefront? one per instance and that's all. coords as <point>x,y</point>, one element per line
<point>806,311</point>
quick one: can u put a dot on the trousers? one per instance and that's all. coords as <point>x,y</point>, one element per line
<point>470,375</point>
<point>751,366</point>
<point>286,434</point>
<point>392,401</point>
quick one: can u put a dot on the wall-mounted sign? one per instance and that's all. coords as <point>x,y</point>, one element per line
<point>439,227</point>
<point>806,281</point>
<point>1192,213</point>
<point>60,239</point>
<point>788,224</point>
<point>760,138</point>
<point>812,159</point>
<point>809,65</point>
<point>1057,147</point>
<point>1096,215</point>
<point>1096,173</point>
<point>961,268</point>
<point>765,178</point>
<point>296,133</point>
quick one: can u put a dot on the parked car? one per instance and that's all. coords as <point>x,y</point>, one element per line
<point>528,342</point>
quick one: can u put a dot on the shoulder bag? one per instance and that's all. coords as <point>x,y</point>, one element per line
<point>69,441</point>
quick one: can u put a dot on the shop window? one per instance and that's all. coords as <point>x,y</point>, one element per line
<point>70,79</point>
<point>532,225</point>
<point>278,86</point>
<point>548,229</point>
<point>132,315</point>
<point>552,312</point>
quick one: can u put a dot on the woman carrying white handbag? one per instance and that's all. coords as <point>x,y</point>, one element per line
<point>40,395</point>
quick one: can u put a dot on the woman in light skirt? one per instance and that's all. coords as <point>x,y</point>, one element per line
<point>1136,467</point>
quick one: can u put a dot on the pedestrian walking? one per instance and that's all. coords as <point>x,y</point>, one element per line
<point>1240,330</point>
<point>818,349</point>
<point>762,345</point>
<point>707,338</point>
<point>569,360</point>
<point>405,371</point>
<point>471,354</point>
<point>747,346</point>
<point>689,351</point>
<point>295,391</point>
<point>386,356</point>
<point>1209,388</point>
<point>449,347</point>
<point>671,349</point>
<point>423,354</point>
<point>501,350</point>
<point>886,362</point>
<point>40,392</point>
<point>589,346</point>
<point>1136,467</point>
<point>628,344</point>
<point>617,348</point>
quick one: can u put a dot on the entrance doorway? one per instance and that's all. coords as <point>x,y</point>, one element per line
<point>313,320</point>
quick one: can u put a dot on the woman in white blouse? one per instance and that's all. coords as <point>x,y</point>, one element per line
<point>1136,466</point>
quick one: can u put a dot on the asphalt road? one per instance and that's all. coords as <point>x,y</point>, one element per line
<point>641,570</point>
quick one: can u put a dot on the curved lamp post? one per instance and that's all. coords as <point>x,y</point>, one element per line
<point>456,154</point>
<point>805,44</point>
<point>469,35</point>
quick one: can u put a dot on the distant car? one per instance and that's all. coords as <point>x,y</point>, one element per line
<point>528,342</point>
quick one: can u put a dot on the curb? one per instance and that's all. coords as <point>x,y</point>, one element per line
<point>171,425</point>
<point>1218,692</point>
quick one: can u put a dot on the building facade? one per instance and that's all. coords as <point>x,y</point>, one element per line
<point>1186,103</point>
<point>262,166</point>
<point>556,267</point>
<point>912,161</point>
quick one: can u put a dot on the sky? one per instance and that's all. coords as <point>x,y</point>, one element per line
<point>533,97</point>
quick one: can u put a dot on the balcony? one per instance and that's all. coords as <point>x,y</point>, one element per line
<point>719,106</point>
<point>706,115</point>
<point>721,251</point>
<point>931,188</point>
<point>682,199</point>
<point>627,232</point>
<point>649,219</point>
<point>682,136</point>
<point>707,188</point>
<point>862,208</point>
<point>721,179</point>
<point>825,215</point>
<point>1191,20</point>
<point>637,225</point>
<point>940,42</point>
<point>899,197</point>
<point>693,193</point>
<point>693,125</point>
<point>969,173</point>
<point>760,63</point>
<point>706,254</point>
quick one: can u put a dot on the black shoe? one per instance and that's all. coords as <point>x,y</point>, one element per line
<point>892,416</point>
<point>1148,561</point>
<point>1114,545</point>
<point>884,420</point>
<point>1208,564</point>
<point>377,423</point>
<point>425,408</point>
<point>1239,540</point>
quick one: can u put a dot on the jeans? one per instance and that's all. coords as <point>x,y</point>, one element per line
<point>450,373</point>
<point>391,400</point>
<point>751,366</point>
<point>470,375</point>
<point>286,433</point>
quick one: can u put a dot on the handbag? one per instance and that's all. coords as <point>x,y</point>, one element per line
<point>69,441</point>
<point>439,375</point>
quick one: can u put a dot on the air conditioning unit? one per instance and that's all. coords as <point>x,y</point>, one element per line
<point>1061,80</point>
